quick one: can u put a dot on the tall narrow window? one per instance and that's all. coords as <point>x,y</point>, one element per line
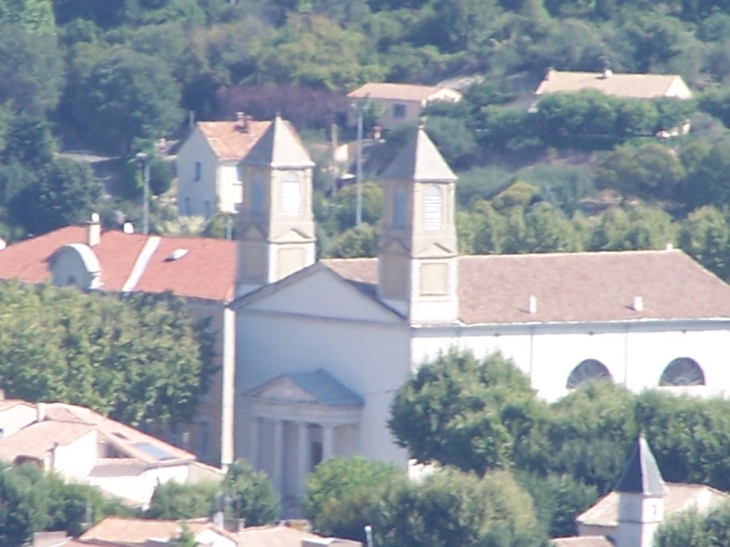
<point>198,170</point>
<point>399,208</point>
<point>434,208</point>
<point>208,211</point>
<point>186,202</point>
<point>257,194</point>
<point>399,110</point>
<point>291,194</point>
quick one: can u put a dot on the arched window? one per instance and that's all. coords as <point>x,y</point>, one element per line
<point>257,194</point>
<point>589,370</point>
<point>433,208</point>
<point>399,208</point>
<point>291,194</point>
<point>682,372</point>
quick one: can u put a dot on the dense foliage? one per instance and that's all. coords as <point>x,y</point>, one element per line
<point>567,453</point>
<point>33,501</point>
<point>243,494</point>
<point>448,507</point>
<point>138,358</point>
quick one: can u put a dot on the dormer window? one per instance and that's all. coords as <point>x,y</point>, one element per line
<point>399,208</point>
<point>291,194</point>
<point>433,208</point>
<point>257,194</point>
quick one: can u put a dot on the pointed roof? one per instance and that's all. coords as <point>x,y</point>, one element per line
<point>326,388</point>
<point>641,473</point>
<point>280,146</point>
<point>421,161</point>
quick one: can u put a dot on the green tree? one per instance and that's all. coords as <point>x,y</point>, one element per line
<point>461,411</point>
<point>354,243</point>
<point>185,539</point>
<point>251,495</point>
<point>176,501</point>
<point>343,496</point>
<point>705,236</point>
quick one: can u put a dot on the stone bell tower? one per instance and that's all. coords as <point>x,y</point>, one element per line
<point>417,252</point>
<point>275,222</point>
<point>641,492</point>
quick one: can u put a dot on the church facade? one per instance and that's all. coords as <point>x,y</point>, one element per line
<point>322,347</point>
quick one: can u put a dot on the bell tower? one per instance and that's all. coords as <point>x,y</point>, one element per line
<point>417,251</point>
<point>275,223</point>
<point>641,492</point>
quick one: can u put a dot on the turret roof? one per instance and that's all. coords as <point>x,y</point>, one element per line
<point>421,161</point>
<point>279,147</point>
<point>641,473</point>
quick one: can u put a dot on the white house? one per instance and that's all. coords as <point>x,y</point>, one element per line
<point>400,103</point>
<point>131,532</point>
<point>84,446</point>
<point>207,165</point>
<point>322,347</point>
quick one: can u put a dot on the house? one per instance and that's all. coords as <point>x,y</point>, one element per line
<point>207,165</point>
<point>202,271</point>
<point>630,515</point>
<point>401,103</point>
<point>129,532</point>
<point>286,536</point>
<point>322,347</point>
<point>82,445</point>
<point>627,86</point>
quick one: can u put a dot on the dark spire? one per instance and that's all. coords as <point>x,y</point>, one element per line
<point>641,473</point>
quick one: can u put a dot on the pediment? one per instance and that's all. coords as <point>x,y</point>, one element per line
<point>394,246</point>
<point>436,250</point>
<point>283,390</point>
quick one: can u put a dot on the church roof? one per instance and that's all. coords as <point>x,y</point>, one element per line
<point>322,385</point>
<point>420,160</point>
<point>641,473</point>
<point>574,287</point>
<point>279,147</point>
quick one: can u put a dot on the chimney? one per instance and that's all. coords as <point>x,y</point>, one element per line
<point>128,228</point>
<point>532,306</point>
<point>241,121</point>
<point>669,247</point>
<point>40,409</point>
<point>93,231</point>
<point>2,394</point>
<point>638,303</point>
<point>607,74</point>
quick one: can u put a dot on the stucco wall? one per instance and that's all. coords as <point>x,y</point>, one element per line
<point>635,354</point>
<point>76,459</point>
<point>196,148</point>
<point>131,483</point>
<point>230,189</point>
<point>16,417</point>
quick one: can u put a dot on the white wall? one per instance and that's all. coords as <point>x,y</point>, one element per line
<point>16,417</point>
<point>76,459</point>
<point>214,539</point>
<point>196,148</point>
<point>133,483</point>
<point>230,189</point>
<point>636,354</point>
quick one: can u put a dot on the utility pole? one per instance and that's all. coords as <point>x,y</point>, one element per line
<point>358,215</point>
<point>144,165</point>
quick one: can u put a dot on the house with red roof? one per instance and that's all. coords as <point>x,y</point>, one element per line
<point>202,271</point>
<point>207,165</point>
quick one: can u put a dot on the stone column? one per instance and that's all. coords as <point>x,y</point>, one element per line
<point>253,442</point>
<point>328,442</point>
<point>278,457</point>
<point>302,455</point>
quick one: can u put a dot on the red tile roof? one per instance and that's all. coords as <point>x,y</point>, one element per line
<point>207,270</point>
<point>576,287</point>
<point>228,139</point>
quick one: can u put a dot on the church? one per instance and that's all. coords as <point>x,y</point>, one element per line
<point>322,346</point>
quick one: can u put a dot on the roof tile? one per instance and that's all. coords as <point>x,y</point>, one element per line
<point>229,140</point>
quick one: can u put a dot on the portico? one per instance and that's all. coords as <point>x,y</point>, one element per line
<point>297,421</point>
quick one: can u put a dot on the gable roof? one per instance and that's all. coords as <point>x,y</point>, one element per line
<point>131,531</point>
<point>38,440</point>
<point>574,287</point>
<point>636,86</point>
<point>207,270</point>
<point>641,473</point>
<point>279,147</point>
<point>232,140</point>
<point>399,92</point>
<point>678,498</point>
<point>325,388</point>
<point>420,160</point>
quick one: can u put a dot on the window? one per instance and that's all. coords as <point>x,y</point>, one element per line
<point>399,110</point>
<point>433,208</point>
<point>208,209</point>
<point>198,170</point>
<point>186,206</point>
<point>590,370</point>
<point>204,439</point>
<point>257,194</point>
<point>291,194</point>
<point>399,208</point>
<point>682,372</point>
